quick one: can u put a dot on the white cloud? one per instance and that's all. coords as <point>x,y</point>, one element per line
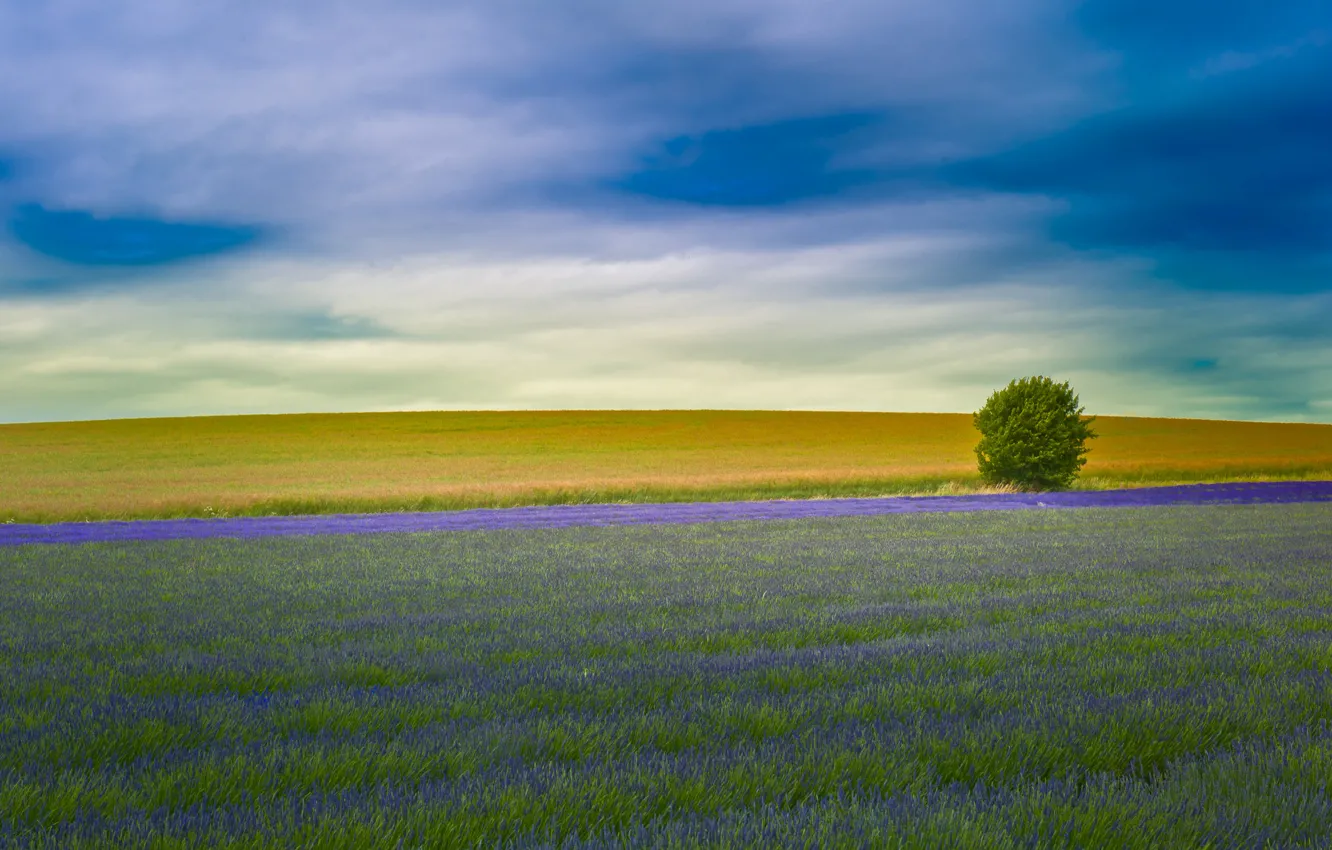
<point>342,117</point>
<point>409,150</point>
<point>709,328</point>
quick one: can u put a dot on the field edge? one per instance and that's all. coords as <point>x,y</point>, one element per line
<point>643,494</point>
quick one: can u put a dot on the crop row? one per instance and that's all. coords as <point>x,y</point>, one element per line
<point>1022,678</point>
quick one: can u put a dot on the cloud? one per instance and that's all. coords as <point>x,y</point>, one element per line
<point>313,325</point>
<point>1238,168</point>
<point>507,203</point>
<point>1159,44</point>
<point>723,328</point>
<point>79,237</point>
<point>1230,61</point>
<point>762,165</point>
<point>359,130</point>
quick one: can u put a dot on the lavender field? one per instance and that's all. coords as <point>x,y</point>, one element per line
<point>561,516</point>
<point>1082,677</point>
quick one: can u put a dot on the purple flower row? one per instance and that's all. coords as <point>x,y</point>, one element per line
<point>756,684</point>
<point>559,516</point>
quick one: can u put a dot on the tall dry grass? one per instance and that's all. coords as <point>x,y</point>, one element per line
<point>209,466</point>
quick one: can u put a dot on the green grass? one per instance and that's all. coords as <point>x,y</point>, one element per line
<point>1127,677</point>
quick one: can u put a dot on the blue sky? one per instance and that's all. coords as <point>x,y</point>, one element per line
<point>255,207</point>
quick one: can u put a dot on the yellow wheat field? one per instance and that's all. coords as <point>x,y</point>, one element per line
<point>323,463</point>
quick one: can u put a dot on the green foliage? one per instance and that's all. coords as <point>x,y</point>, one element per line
<point>1033,435</point>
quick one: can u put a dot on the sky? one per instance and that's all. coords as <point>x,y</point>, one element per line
<point>882,205</point>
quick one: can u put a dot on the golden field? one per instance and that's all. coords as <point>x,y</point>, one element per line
<point>321,463</point>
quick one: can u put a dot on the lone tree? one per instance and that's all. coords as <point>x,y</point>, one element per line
<point>1033,435</point>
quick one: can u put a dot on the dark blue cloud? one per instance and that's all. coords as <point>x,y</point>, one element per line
<point>1238,165</point>
<point>84,239</point>
<point>1158,42</point>
<point>763,165</point>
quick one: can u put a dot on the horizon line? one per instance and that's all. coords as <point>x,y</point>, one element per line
<point>614,410</point>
